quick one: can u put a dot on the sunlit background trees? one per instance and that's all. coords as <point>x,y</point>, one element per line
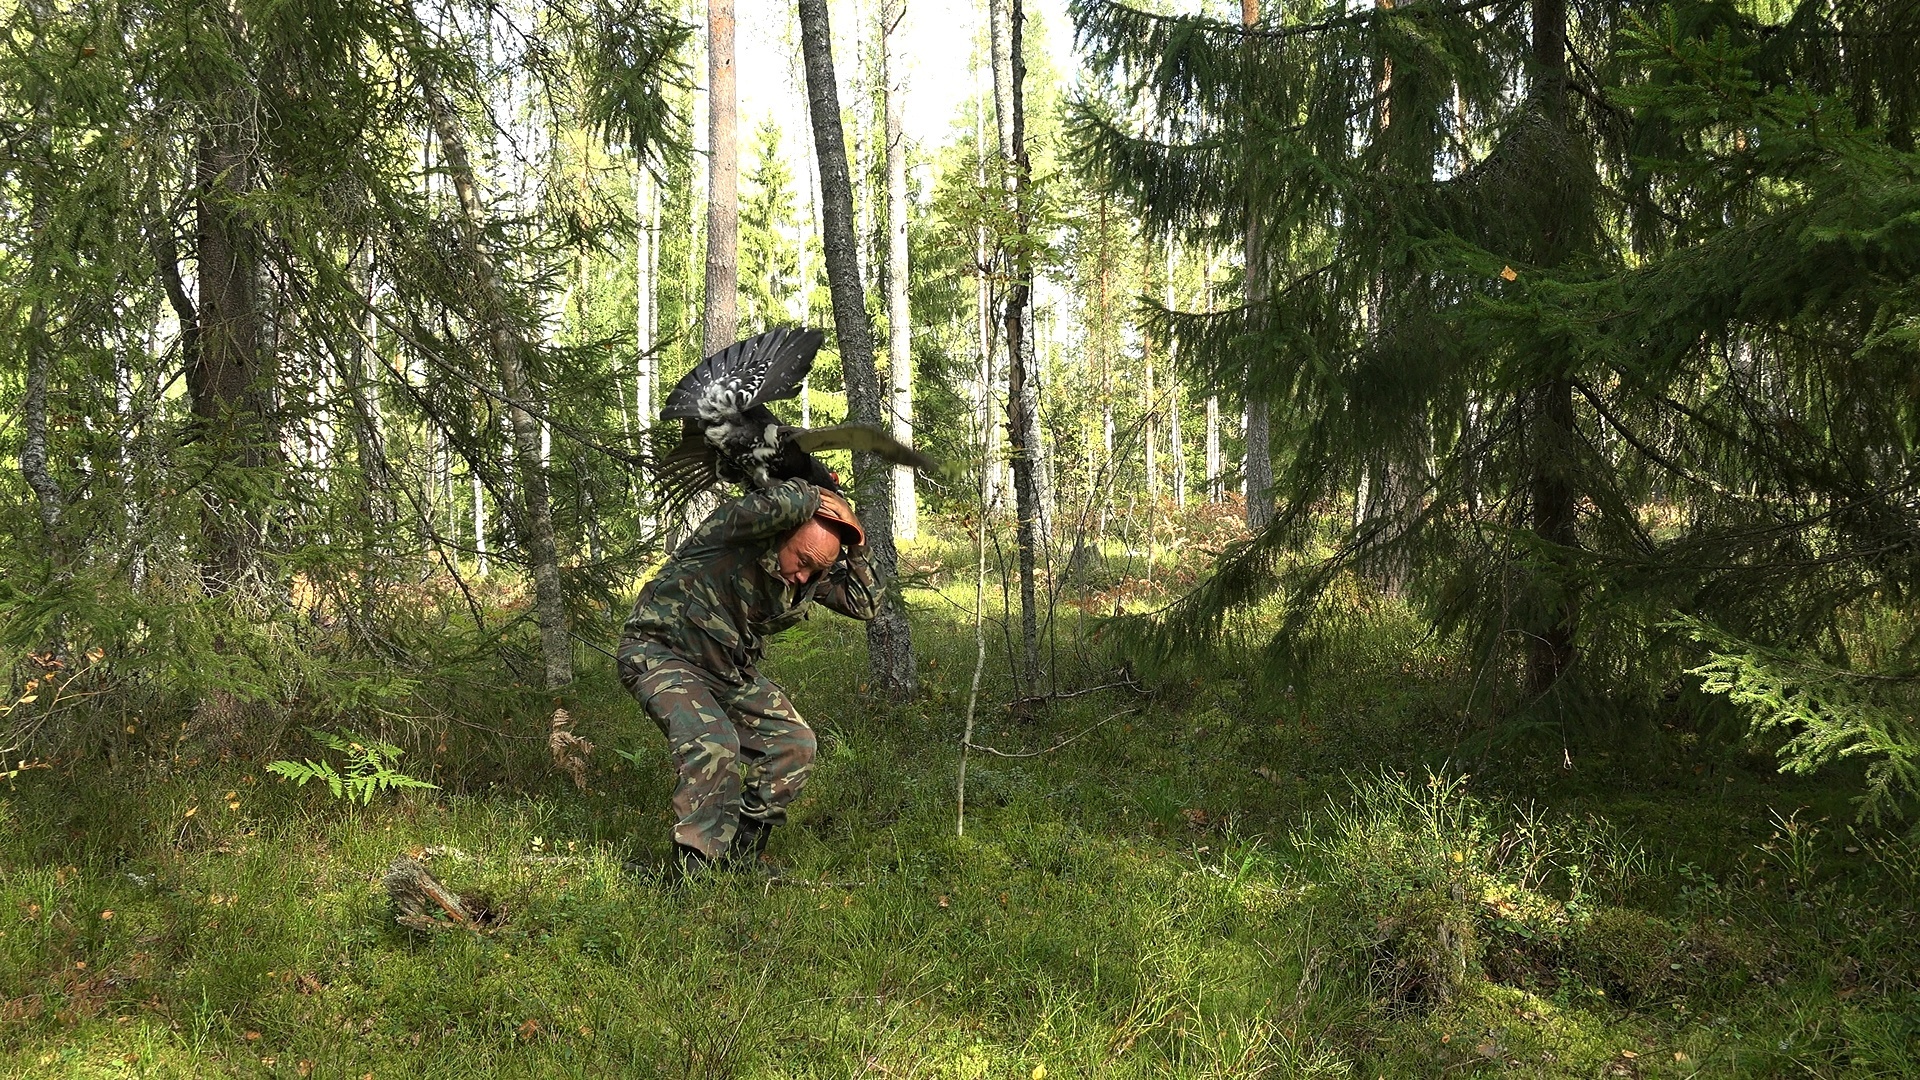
<point>335,332</point>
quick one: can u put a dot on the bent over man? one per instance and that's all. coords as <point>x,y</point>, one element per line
<point>691,648</point>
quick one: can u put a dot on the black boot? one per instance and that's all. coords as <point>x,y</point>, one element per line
<point>685,865</point>
<point>749,848</point>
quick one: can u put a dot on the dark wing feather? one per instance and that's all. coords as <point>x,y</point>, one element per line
<point>766,367</point>
<point>863,437</point>
<point>683,465</point>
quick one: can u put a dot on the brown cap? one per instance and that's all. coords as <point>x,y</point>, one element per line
<point>840,517</point>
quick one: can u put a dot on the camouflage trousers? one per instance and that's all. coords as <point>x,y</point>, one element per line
<point>741,750</point>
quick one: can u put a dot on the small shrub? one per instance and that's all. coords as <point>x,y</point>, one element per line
<point>1419,890</point>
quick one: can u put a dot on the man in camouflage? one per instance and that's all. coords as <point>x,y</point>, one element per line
<point>690,649</point>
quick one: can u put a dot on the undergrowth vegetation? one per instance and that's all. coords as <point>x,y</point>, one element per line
<point>1205,871</point>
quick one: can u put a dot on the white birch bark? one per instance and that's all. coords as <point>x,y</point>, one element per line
<point>906,510</point>
<point>33,447</point>
<point>643,293</point>
<point>479,526</point>
<point>1176,451</point>
<point>1216,487</point>
<point>1214,492</point>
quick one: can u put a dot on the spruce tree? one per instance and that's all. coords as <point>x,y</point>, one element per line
<point>770,281</point>
<point>1525,273</point>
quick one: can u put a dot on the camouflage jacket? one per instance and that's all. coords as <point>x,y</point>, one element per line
<point>720,595</point>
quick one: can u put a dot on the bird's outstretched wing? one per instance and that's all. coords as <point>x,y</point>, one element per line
<point>727,435</point>
<point>766,367</point>
<point>863,437</point>
<point>683,465</point>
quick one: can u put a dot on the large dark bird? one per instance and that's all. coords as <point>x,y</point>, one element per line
<point>728,434</point>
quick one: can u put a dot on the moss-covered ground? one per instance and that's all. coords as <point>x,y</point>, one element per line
<point>1213,879</point>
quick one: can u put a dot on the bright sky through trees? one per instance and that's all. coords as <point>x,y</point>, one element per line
<point>939,45</point>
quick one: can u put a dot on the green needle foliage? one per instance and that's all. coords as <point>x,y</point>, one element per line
<point>251,345</point>
<point>1599,337</point>
<point>1826,714</point>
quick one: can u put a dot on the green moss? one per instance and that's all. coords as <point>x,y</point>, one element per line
<point>1225,882</point>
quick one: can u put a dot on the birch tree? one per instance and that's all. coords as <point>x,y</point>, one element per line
<point>906,514</point>
<point>34,466</point>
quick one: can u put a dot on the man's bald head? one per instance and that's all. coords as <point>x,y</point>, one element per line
<point>809,550</point>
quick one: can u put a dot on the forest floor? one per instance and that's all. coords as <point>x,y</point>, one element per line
<point>1213,879</point>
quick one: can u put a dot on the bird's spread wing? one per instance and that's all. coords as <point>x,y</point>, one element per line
<point>683,465</point>
<point>766,367</point>
<point>863,437</point>
<point>726,434</point>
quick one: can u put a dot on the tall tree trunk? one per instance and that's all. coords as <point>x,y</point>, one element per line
<point>985,334</point>
<point>369,439</point>
<point>1216,486</point>
<point>889,640</point>
<point>532,517</point>
<point>1006,19</point>
<point>1551,488</point>
<point>646,260</point>
<point>1150,403</point>
<point>1000,50</point>
<point>1022,432</point>
<point>723,182</point>
<point>1259,464</point>
<point>136,442</point>
<point>861,145</point>
<point>906,509</point>
<point>1388,493</point>
<point>808,274</point>
<point>1027,397</point>
<point>480,568</point>
<point>643,293</point>
<point>33,446</point>
<point>1175,449</point>
<point>720,318</point>
<point>1214,492</point>
<point>224,383</point>
<point>1104,307</point>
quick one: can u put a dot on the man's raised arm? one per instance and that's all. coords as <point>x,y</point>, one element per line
<point>852,588</point>
<point>767,512</point>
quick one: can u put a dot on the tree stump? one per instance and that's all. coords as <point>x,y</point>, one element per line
<point>421,902</point>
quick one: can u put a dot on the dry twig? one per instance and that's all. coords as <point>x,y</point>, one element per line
<point>1076,736</point>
